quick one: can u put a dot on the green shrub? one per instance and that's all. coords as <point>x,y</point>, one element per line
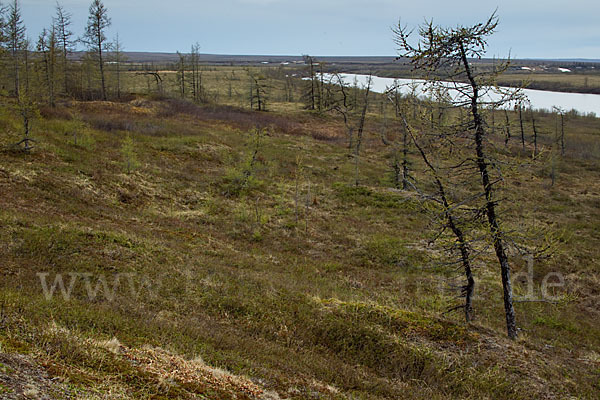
<point>129,154</point>
<point>364,196</point>
<point>383,250</point>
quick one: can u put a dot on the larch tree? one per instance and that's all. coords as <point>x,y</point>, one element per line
<point>47,49</point>
<point>400,161</point>
<point>445,55</point>
<point>361,128</point>
<point>118,57</point>
<point>27,109</point>
<point>196,79</point>
<point>14,34</point>
<point>561,114</point>
<point>311,93</point>
<point>535,134</point>
<point>506,128</point>
<point>3,41</point>
<point>344,107</point>
<point>181,69</point>
<point>258,90</point>
<point>95,38</point>
<point>442,202</point>
<point>521,125</point>
<point>64,36</point>
<point>354,117</point>
<point>451,217</point>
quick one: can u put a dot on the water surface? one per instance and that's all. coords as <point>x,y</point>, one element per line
<point>539,99</point>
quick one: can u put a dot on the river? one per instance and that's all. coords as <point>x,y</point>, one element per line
<point>539,99</point>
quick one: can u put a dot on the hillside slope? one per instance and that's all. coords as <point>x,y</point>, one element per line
<point>202,258</point>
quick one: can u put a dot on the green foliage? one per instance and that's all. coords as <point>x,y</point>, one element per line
<point>367,197</point>
<point>553,323</point>
<point>391,252</point>
<point>4,389</point>
<point>79,134</point>
<point>129,154</point>
<point>241,179</point>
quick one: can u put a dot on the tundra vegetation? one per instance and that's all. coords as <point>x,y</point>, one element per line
<point>181,230</point>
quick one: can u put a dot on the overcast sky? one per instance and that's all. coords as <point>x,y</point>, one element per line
<point>528,29</point>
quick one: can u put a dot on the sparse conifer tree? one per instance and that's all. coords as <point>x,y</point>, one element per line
<point>196,79</point>
<point>28,111</point>
<point>449,50</point>
<point>129,154</point>
<point>118,57</point>
<point>64,36</point>
<point>14,35</point>
<point>181,69</point>
<point>311,92</point>
<point>95,38</point>
<point>47,48</point>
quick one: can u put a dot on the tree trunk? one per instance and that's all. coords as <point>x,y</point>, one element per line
<point>101,64</point>
<point>469,289</point>
<point>26,57</point>
<point>507,138</point>
<point>535,135</point>
<point>562,134</point>
<point>490,205</point>
<point>17,80</point>
<point>522,128</point>
<point>361,126</point>
<point>312,86</point>
<point>65,73</point>
<point>405,160</point>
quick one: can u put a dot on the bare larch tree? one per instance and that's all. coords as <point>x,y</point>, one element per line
<point>62,22</point>
<point>15,38</point>
<point>95,37</point>
<point>446,53</point>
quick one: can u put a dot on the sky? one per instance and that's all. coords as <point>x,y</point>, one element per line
<point>527,29</point>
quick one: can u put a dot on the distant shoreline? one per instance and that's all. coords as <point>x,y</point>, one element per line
<point>139,56</point>
<point>564,75</point>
